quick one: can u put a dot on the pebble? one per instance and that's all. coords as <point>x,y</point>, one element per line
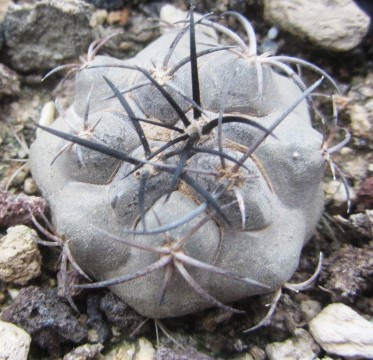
<point>15,209</point>
<point>360,110</point>
<point>301,346</point>
<point>9,82</point>
<point>120,17</point>
<point>364,196</point>
<point>257,353</point>
<point>141,350</point>
<point>30,186</point>
<point>355,169</point>
<point>31,30</point>
<point>20,259</point>
<point>341,331</point>
<point>310,308</point>
<point>335,191</point>
<point>98,18</point>
<point>171,14</point>
<point>145,350</point>
<point>361,124</point>
<point>14,342</point>
<point>185,353</point>
<point>13,293</point>
<point>47,318</point>
<point>314,20</point>
<point>85,352</point>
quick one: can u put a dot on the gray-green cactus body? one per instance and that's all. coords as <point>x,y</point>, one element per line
<point>91,196</point>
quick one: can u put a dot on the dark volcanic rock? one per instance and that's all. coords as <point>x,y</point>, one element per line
<point>43,35</point>
<point>46,318</point>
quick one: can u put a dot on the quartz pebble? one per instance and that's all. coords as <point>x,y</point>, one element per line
<point>339,330</point>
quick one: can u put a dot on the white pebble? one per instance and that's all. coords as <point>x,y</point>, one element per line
<point>301,346</point>
<point>14,342</point>
<point>341,331</point>
<point>29,186</point>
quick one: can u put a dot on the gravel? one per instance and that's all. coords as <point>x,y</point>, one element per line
<point>345,239</point>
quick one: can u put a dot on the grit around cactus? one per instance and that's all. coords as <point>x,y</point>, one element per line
<point>188,176</point>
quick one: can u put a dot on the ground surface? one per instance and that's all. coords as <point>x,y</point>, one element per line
<point>345,239</point>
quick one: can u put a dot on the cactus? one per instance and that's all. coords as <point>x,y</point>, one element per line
<point>188,176</point>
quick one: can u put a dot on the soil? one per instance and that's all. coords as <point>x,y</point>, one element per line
<point>345,239</point>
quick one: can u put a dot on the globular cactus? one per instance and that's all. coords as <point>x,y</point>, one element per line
<point>188,176</point>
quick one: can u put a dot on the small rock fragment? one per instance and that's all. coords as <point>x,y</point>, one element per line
<point>357,168</point>
<point>211,320</point>
<point>179,354</point>
<point>85,352</point>
<point>48,320</point>
<point>9,82</point>
<point>30,186</point>
<point>32,33</point>
<point>15,209</point>
<point>317,21</point>
<point>310,308</point>
<point>13,293</point>
<point>349,271</point>
<point>357,226</point>
<point>96,320</point>
<point>339,330</point>
<point>20,259</point>
<point>360,111</point>
<point>14,342</point>
<point>120,17</point>
<point>141,28</point>
<point>257,353</point>
<point>336,193</point>
<point>360,122</point>
<point>364,196</point>
<point>121,315</point>
<point>145,350</point>
<point>141,350</point>
<point>301,346</point>
<point>171,14</point>
<point>123,351</point>
<point>98,18</point>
